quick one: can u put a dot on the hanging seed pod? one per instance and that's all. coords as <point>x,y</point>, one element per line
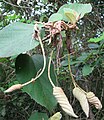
<point>94,100</point>
<point>81,97</point>
<point>63,101</point>
<point>13,87</point>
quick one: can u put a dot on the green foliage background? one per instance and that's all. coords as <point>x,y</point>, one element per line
<point>87,63</point>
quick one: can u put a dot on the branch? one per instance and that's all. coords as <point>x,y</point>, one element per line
<point>16,5</point>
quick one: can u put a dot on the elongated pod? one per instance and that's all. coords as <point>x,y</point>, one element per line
<point>94,100</point>
<point>81,97</point>
<point>13,87</point>
<point>63,101</point>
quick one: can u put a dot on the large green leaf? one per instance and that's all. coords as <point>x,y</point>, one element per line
<point>16,38</point>
<point>25,68</point>
<point>38,116</point>
<point>81,9</point>
<point>41,89</point>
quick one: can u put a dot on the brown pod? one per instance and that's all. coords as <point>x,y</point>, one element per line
<point>94,100</point>
<point>63,101</point>
<point>81,97</point>
<point>13,87</point>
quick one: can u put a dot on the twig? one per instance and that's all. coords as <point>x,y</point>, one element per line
<point>74,83</point>
<point>94,23</point>
<point>67,55</point>
<point>73,80</point>
<point>16,5</point>
<point>8,79</point>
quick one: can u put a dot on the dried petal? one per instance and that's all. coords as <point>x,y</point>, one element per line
<point>13,87</point>
<point>56,116</point>
<point>94,100</point>
<point>63,101</point>
<point>81,97</point>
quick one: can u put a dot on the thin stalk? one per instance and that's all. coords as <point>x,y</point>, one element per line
<point>49,70</point>
<point>74,83</point>
<point>73,80</point>
<point>44,58</point>
<point>81,89</point>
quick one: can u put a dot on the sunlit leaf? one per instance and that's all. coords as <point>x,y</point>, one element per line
<point>55,17</point>
<point>98,39</point>
<point>16,38</point>
<point>72,15</point>
<point>81,9</point>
